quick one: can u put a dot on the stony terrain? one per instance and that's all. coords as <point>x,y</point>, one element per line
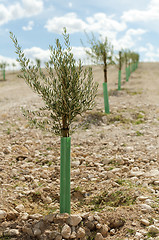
<point>115,164</point>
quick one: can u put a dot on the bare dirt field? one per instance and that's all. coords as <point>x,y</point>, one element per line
<point>114,158</point>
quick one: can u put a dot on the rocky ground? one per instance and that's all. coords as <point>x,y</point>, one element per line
<point>114,158</point>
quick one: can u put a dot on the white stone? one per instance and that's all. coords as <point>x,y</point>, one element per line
<point>145,222</point>
<point>66,231</point>
<point>81,233</point>
<point>48,199</point>
<point>112,231</point>
<point>14,172</point>
<point>116,170</point>
<point>98,226</point>
<point>19,208</point>
<point>153,229</point>
<point>90,218</point>
<point>99,236</point>
<point>149,201</point>
<point>12,232</point>
<point>146,208</point>
<point>74,220</point>
<point>25,216</point>
<point>136,173</point>
<point>3,214</point>
<point>152,173</point>
<point>37,232</point>
<point>75,163</point>
<point>129,149</point>
<point>156,182</point>
<point>142,198</point>
<point>36,216</point>
<point>138,236</point>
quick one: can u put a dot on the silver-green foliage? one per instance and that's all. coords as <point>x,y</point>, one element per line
<point>67,89</point>
<point>101,52</point>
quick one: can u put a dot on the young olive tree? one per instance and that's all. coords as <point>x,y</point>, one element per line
<point>67,90</point>
<point>3,66</point>
<point>126,60</point>
<point>120,61</point>
<point>101,52</point>
<point>131,62</point>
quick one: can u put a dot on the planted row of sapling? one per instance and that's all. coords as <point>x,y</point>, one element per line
<point>67,89</point>
<point>130,60</point>
<point>102,52</point>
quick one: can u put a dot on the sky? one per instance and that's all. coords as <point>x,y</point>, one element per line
<point>132,25</point>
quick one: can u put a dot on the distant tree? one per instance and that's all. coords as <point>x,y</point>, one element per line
<point>101,52</point>
<point>126,60</point>
<point>131,62</point>
<point>120,61</point>
<point>3,66</point>
<point>68,91</point>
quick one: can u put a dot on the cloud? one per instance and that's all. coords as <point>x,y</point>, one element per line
<point>32,7</point>
<point>151,13</point>
<point>151,54</point>
<point>44,55</point>
<point>20,10</point>
<point>99,22</point>
<point>129,39</point>
<point>69,20</point>
<point>29,27</point>
<point>36,52</point>
<point>9,61</point>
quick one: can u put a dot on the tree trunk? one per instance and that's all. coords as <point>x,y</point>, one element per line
<point>119,60</point>
<point>65,128</point>
<point>105,68</point>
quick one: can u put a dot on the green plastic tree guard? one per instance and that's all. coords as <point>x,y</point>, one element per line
<point>65,168</point>
<point>106,100</point>
<point>119,80</point>
<point>4,74</point>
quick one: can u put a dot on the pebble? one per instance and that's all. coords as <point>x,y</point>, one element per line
<point>19,208</point>
<point>24,216</point>
<point>12,232</point>
<point>75,164</point>
<point>112,231</point>
<point>74,220</point>
<point>37,232</point>
<point>136,174</point>
<point>66,231</point>
<point>152,173</point>
<point>138,236</point>
<point>99,236</point>
<point>142,198</point>
<point>3,214</point>
<point>81,232</point>
<point>153,229</point>
<point>146,208</point>
<point>104,230</point>
<point>35,216</point>
<point>145,222</point>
